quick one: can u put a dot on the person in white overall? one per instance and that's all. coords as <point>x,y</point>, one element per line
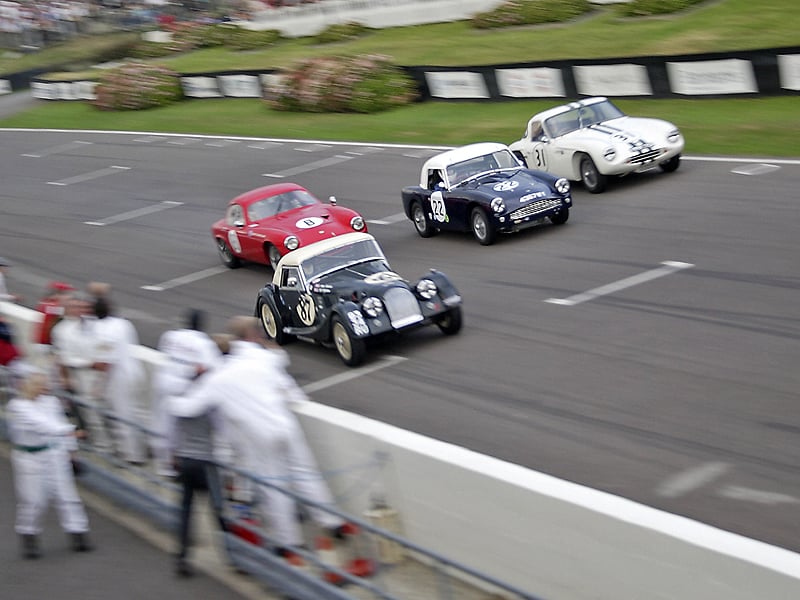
<point>189,352</point>
<point>251,392</point>
<point>114,339</point>
<point>42,441</point>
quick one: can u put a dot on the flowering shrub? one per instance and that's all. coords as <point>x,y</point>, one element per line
<point>530,12</point>
<point>361,84</point>
<point>341,32</point>
<point>135,86</point>
<point>643,8</point>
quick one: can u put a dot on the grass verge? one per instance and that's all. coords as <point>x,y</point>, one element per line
<point>747,127</point>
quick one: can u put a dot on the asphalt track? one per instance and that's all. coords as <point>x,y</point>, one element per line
<point>674,385</point>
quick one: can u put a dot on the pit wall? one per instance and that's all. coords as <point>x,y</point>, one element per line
<point>557,539</point>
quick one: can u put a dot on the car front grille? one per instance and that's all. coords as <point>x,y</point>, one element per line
<point>646,157</point>
<point>402,307</point>
<point>534,208</point>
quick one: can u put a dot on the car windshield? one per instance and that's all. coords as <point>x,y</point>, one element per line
<point>460,172</point>
<point>578,118</point>
<point>269,207</point>
<point>343,257</point>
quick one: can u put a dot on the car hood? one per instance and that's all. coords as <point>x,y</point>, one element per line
<point>299,219</point>
<point>353,279</point>
<point>623,132</point>
<point>514,187</point>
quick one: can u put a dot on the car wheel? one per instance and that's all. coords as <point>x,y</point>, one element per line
<point>450,322</point>
<point>272,322</point>
<point>274,256</point>
<point>421,223</point>
<point>561,217</point>
<point>350,349</point>
<point>482,228</point>
<point>593,180</point>
<point>668,166</point>
<point>226,254</point>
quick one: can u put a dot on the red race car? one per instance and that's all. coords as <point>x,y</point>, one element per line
<point>264,224</point>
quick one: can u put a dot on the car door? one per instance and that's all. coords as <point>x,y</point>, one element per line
<point>233,229</point>
<point>299,302</point>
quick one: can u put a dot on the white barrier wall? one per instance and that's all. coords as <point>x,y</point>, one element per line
<point>554,538</point>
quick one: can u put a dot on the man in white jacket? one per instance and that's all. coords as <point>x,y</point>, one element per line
<point>114,339</point>
<point>189,352</point>
<point>42,440</point>
<point>251,392</point>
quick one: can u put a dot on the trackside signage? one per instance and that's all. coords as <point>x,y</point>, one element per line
<point>538,82</point>
<point>612,80</point>
<point>789,65</point>
<point>698,78</point>
<point>456,84</point>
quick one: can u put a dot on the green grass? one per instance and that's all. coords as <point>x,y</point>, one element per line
<point>755,127</point>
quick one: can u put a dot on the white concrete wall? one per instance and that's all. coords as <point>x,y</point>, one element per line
<point>310,19</point>
<point>539,533</point>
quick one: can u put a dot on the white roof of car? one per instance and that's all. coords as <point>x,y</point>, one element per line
<point>457,155</point>
<point>294,258</point>
<point>565,107</point>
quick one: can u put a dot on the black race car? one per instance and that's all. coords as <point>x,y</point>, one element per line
<point>484,188</point>
<point>341,291</point>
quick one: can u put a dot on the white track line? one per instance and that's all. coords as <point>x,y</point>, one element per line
<point>133,214</point>
<point>190,278</point>
<point>669,267</point>
<point>691,479</point>
<point>57,149</point>
<point>396,218</point>
<point>383,363</point>
<point>89,176</point>
<point>318,164</point>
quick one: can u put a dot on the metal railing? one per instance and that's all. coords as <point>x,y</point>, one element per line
<point>391,566</point>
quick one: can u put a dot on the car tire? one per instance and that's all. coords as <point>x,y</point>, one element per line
<point>482,227</point>
<point>671,165</point>
<point>421,222</point>
<point>273,255</point>
<point>450,322</point>
<point>350,349</point>
<point>226,255</point>
<point>271,322</point>
<point>562,216</point>
<point>593,180</point>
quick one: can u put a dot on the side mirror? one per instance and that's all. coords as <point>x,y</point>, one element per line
<point>238,223</point>
<point>332,200</point>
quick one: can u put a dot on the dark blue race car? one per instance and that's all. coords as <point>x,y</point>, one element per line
<point>483,188</point>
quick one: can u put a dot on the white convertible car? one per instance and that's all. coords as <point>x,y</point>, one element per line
<point>592,139</point>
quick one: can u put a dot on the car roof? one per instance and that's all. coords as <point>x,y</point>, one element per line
<point>294,258</point>
<point>266,191</point>
<point>456,155</point>
<point>550,112</point>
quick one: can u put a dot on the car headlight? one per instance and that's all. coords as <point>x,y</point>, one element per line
<point>610,154</point>
<point>291,242</point>
<point>357,222</point>
<point>498,205</point>
<point>562,186</point>
<point>673,136</point>
<point>372,306</point>
<point>426,289</point>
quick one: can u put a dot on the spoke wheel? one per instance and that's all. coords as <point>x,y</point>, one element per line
<point>351,350</point>
<point>482,228</point>
<point>271,322</point>
<point>274,256</point>
<point>593,180</point>
<point>450,322</point>
<point>561,217</point>
<point>226,254</point>
<point>668,166</point>
<point>421,223</point>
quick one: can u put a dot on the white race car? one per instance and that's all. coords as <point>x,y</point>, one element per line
<point>592,139</point>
